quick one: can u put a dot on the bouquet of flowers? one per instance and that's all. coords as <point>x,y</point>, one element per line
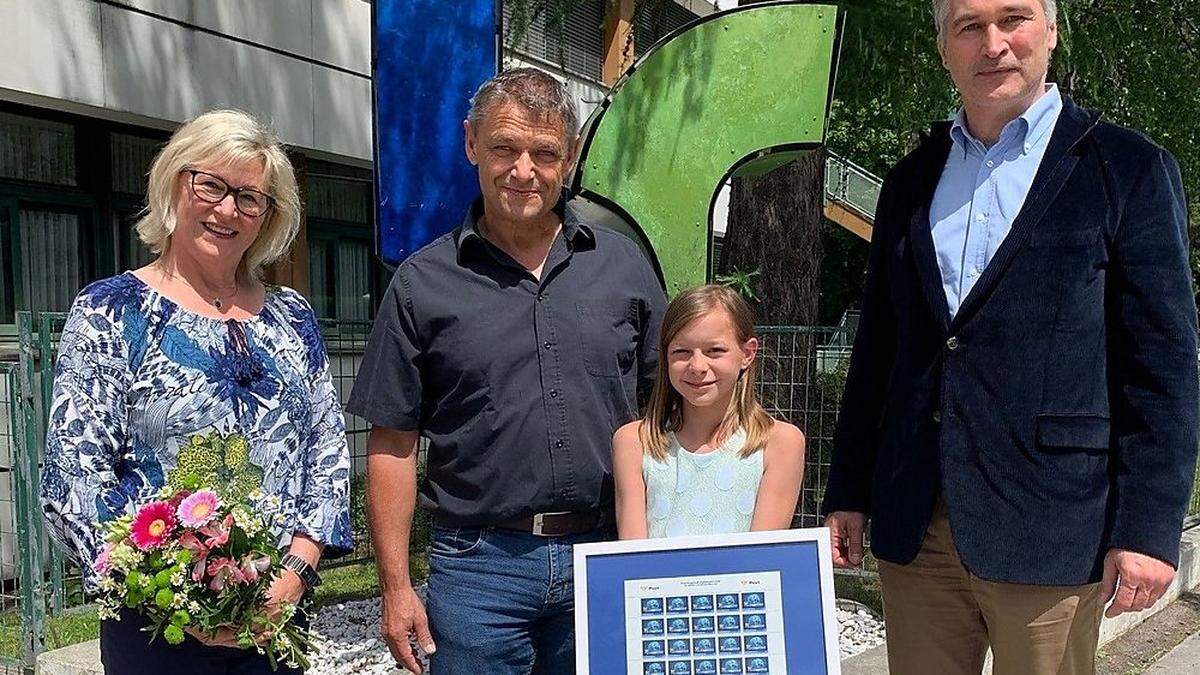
<point>202,555</point>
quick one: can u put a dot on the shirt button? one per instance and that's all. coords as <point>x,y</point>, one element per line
<point>558,444</point>
<point>553,393</point>
<point>981,217</point>
<point>952,343</point>
<point>541,297</point>
<point>937,416</point>
<point>990,163</point>
<point>547,344</point>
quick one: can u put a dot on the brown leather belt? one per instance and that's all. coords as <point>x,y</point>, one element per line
<point>559,524</point>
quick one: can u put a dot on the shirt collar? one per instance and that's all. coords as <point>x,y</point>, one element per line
<point>574,231</point>
<point>1028,130</point>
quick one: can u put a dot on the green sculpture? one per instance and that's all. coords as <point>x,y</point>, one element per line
<point>730,94</point>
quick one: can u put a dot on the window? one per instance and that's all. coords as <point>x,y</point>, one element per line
<point>37,150</point>
<point>51,257</point>
<point>345,280</point>
<point>655,21</point>
<point>576,44</point>
<point>70,189</point>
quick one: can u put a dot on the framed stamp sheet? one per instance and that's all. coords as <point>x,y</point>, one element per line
<point>740,604</point>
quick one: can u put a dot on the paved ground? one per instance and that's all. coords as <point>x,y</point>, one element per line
<point>1146,644</point>
<point>1167,643</point>
<point>1184,658</point>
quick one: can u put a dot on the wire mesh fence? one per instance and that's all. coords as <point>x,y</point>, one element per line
<point>345,342</point>
<point>13,509</point>
<point>1192,516</point>
<point>801,372</point>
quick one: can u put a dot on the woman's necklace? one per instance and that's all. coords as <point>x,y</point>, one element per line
<point>218,301</point>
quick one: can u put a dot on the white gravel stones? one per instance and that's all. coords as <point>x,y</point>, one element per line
<point>350,641</point>
<point>860,629</point>
<point>349,633</point>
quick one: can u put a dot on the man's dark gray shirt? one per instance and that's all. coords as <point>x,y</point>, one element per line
<point>518,383</point>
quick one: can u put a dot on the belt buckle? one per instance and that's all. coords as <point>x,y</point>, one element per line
<point>539,520</point>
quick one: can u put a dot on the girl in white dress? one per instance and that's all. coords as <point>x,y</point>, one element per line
<point>707,458</point>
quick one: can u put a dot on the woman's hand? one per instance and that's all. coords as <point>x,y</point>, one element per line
<point>286,589</point>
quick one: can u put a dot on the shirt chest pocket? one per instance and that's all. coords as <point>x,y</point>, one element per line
<point>608,335</point>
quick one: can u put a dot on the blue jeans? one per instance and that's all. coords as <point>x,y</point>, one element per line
<point>502,602</point>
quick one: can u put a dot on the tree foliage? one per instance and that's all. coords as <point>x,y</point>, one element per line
<point>553,13</point>
<point>1137,61</point>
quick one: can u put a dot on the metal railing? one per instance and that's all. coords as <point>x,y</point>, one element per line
<point>851,186</point>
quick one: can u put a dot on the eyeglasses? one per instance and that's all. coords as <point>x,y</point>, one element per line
<point>213,190</point>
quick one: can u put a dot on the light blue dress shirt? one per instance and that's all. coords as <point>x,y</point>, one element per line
<point>982,190</point>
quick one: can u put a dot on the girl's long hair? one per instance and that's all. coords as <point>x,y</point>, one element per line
<point>665,411</point>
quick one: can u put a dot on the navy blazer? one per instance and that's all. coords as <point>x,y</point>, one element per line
<point>1057,412</point>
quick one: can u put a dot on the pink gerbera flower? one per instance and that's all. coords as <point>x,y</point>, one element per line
<point>152,525</point>
<point>198,508</point>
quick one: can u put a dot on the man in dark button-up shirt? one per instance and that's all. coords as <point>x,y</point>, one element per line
<point>516,344</point>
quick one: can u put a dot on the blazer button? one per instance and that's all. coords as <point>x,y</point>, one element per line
<point>952,343</point>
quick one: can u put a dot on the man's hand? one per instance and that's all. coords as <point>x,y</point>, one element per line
<point>846,529</point>
<point>1137,581</point>
<point>404,615</point>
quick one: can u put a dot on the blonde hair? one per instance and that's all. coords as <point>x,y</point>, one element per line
<point>224,137</point>
<point>664,414</point>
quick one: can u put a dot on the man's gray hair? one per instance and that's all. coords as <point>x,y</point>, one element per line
<point>941,15</point>
<point>532,89</point>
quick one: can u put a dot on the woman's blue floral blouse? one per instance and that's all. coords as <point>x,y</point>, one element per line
<point>137,376</point>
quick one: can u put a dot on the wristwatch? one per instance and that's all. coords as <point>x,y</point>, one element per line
<point>308,575</point>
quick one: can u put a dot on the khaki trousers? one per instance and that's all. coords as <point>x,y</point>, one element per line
<point>941,619</point>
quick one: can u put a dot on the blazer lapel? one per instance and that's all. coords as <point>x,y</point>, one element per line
<point>1073,125</point>
<point>920,232</point>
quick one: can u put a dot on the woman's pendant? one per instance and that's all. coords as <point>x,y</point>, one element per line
<point>218,304</point>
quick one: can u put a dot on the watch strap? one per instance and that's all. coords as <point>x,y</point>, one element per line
<point>308,575</point>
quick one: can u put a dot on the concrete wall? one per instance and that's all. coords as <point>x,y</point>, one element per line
<point>304,65</point>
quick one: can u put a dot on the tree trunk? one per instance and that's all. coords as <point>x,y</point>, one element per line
<point>774,228</point>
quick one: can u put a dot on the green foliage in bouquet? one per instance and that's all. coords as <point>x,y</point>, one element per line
<point>201,556</point>
<point>217,460</point>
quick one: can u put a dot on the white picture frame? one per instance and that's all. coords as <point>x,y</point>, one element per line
<point>732,559</point>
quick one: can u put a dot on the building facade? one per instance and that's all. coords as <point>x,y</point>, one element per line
<point>90,89</point>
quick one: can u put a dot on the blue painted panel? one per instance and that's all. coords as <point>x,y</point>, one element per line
<point>430,56</point>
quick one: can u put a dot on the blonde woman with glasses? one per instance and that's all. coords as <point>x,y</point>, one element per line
<point>196,343</point>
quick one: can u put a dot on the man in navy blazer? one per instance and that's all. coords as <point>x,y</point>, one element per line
<point>1020,414</point>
